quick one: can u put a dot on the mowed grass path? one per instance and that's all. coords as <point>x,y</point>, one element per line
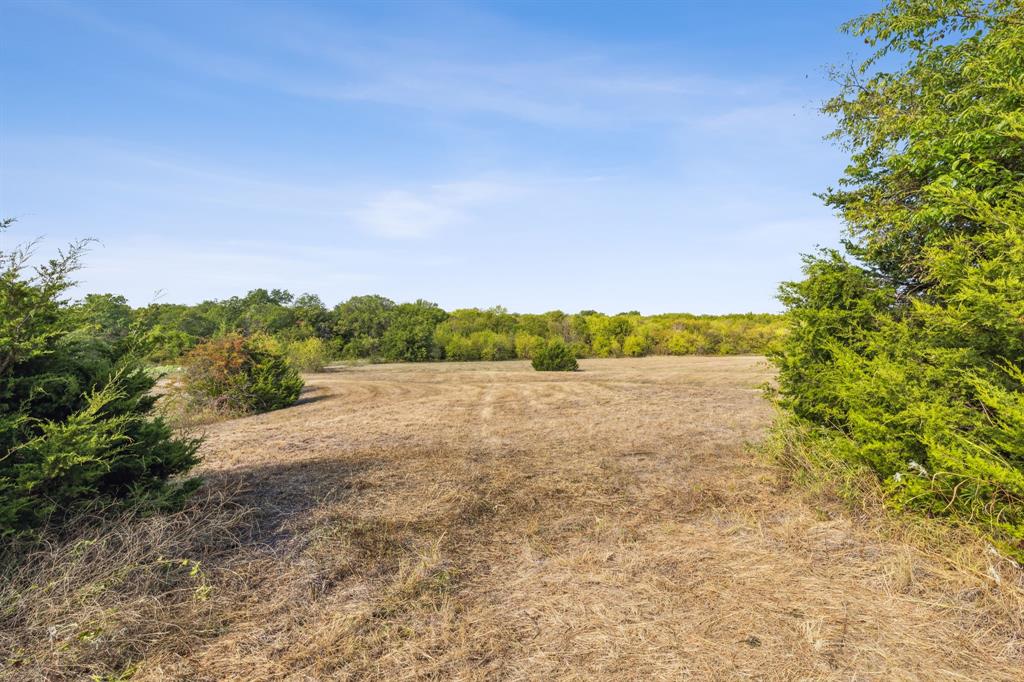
<point>485,521</point>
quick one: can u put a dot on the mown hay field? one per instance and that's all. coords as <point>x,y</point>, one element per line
<point>485,521</point>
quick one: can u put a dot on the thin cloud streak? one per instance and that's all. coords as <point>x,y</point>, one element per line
<point>400,214</point>
<point>466,164</point>
<point>555,88</point>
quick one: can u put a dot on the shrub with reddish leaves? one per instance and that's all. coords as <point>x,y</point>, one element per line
<point>241,375</point>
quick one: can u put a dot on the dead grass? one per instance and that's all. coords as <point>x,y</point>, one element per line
<point>115,591</point>
<point>483,521</point>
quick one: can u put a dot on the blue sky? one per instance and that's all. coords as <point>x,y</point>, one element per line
<point>537,155</point>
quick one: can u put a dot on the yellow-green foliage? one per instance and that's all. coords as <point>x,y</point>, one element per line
<point>307,355</point>
<point>377,328</point>
<point>605,347</point>
<point>636,345</point>
<point>527,344</point>
<point>907,352</point>
<point>494,334</point>
<point>683,343</point>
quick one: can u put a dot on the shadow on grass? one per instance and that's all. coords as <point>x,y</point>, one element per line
<point>281,496</point>
<point>313,396</point>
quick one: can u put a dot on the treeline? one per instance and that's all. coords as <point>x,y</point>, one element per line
<point>376,328</point>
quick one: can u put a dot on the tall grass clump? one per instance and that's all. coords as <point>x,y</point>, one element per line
<point>905,349</point>
<point>112,588</point>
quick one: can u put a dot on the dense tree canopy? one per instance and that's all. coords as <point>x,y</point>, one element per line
<point>377,328</point>
<point>910,345</point>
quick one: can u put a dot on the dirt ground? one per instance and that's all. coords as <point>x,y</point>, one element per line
<point>485,521</point>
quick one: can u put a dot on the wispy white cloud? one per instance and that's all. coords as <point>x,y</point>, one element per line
<point>398,214</point>
<point>643,176</point>
<point>549,84</point>
<point>205,230</point>
<point>402,214</point>
<point>556,91</point>
<point>165,190</point>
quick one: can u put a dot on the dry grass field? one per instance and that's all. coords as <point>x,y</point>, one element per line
<point>485,521</point>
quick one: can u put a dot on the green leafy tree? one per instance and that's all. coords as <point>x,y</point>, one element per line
<point>312,317</point>
<point>360,322</point>
<point>76,423</point>
<point>527,344</point>
<point>908,347</point>
<point>460,349</point>
<point>105,315</point>
<point>636,345</point>
<point>493,345</point>
<point>555,356</point>
<point>196,321</point>
<point>307,355</point>
<point>166,345</point>
<point>410,333</point>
